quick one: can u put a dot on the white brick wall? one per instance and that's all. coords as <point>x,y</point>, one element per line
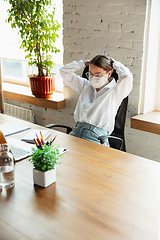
<point>103,26</point>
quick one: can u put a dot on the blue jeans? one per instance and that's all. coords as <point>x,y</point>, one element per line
<point>89,132</point>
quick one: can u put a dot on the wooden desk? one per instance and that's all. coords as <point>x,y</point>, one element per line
<point>100,193</point>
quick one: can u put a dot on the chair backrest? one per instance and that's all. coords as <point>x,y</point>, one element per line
<point>119,126</point>
<point>120,119</point>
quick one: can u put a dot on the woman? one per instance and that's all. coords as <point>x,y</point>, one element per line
<point>100,97</point>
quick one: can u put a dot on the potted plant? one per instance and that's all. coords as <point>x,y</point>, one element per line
<point>38,31</point>
<point>44,159</point>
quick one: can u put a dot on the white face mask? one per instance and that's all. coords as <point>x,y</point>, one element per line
<point>98,82</point>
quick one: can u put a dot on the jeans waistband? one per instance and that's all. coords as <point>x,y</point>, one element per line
<point>93,128</point>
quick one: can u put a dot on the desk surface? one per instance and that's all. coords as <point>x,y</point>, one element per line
<point>100,193</point>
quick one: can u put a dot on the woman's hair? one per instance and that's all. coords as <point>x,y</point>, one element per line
<point>102,61</point>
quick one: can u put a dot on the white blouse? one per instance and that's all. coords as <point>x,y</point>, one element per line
<point>98,108</point>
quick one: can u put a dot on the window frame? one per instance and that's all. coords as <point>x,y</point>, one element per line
<point>150,86</point>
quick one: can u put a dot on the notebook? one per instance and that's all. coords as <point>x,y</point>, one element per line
<point>32,134</point>
<point>12,128</point>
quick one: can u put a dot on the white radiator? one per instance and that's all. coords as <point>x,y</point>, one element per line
<point>19,112</point>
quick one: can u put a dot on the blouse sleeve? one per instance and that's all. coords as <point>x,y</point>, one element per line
<point>125,81</point>
<point>74,81</point>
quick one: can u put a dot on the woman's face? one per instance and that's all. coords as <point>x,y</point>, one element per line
<point>100,74</point>
<point>94,70</point>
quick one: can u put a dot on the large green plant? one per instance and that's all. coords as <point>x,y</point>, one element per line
<point>37,29</point>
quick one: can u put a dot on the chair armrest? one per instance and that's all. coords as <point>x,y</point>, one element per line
<point>104,137</point>
<point>69,129</point>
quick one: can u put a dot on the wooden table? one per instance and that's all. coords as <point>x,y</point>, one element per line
<point>100,193</point>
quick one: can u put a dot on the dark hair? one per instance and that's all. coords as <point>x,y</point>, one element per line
<point>102,61</point>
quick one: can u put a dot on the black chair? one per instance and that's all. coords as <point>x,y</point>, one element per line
<point>117,138</point>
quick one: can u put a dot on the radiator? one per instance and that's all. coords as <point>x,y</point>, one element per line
<point>19,112</point>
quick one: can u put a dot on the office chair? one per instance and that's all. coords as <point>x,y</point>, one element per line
<point>116,139</point>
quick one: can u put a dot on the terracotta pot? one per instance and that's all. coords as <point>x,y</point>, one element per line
<point>42,87</point>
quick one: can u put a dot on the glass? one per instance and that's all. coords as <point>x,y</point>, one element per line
<point>6,167</point>
<point>90,75</point>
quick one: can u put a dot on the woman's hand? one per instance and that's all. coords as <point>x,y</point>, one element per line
<point>87,62</point>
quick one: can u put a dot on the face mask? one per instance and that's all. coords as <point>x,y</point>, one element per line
<point>98,82</point>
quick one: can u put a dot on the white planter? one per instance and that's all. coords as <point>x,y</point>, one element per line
<point>44,179</point>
